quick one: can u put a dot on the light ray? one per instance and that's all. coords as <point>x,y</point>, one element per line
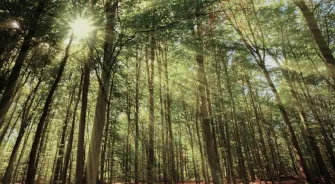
<point>81,27</point>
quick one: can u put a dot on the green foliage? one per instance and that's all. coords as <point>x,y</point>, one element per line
<point>241,102</point>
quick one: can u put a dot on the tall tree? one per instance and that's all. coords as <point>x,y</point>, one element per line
<point>100,111</point>
<point>33,157</point>
<point>203,109</point>
<point>318,37</point>
<point>12,79</point>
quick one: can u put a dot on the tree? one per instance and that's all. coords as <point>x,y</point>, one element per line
<point>166,91</point>
<point>100,111</point>
<point>33,157</point>
<point>318,38</point>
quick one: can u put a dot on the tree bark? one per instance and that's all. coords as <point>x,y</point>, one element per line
<point>261,63</point>
<point>79,175</point>
<point>100,111</point>
<point>24,123</point>
<point>299,155</point>
<point>311,106</point>
<point>260,131</point>
<point>60,155</point>
<point>169,122</point>
<point>33,160</point>
<point>7,125</point>
<point>70,140</point>
<point>316,153</point>
<point>240,156</point>
<point>13,77</point>
<point>203,110</point>
<point>137,134</point>
<point>151,155</point>
<point>318,37</point>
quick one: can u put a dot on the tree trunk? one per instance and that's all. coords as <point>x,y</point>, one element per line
<point>59,161</point>
<point>137,134</point>
<point>169,122</point>
<point>24,123</point>
<point>127,155</point>
<point>300,158</point>
<point>240,156</point>
<point>100,111</point>
<point>151,155</point>
<point>203,112</point>
<point>162,117</point>
<point>316,153</point>
<point>13,77</point>
<point>5,129</point>
<point>311,106</point>
<point>70,140</point>
<point>260,131</point>
<point>21,154</point>
<point>225,130</point>
<point>192,150</point>
<point>318,38</point>
<point>33,160</point>
<point>103,153</point>
<point>79,175</point>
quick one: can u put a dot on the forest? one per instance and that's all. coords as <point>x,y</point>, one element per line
<point>167,91</point>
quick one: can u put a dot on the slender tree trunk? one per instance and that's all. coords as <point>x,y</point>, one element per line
<point>169,122</point>
<point>318,37</point>
<point>70,169</point>
<point>316,153</point>
<point>112,153</point>
<point>15,176</point>
<point>203,112</point>
<point>260,131</point>
<point>79,176</point>
<point>192,150</point>
<point>311,106</point>
<point>181,159</point>
<point>200,144</point>
<point>151,156</point>
<point>107,136</point>
<point>110,135</point>
<point>299,155</point>
<point>137,134</point>
<point>59,161</point>
<point>5,129</point>
<point>33,160</point>
<point>13,77</point>
<point>127,159</point>
<point>225,130</point>
<point>25,122</point>
<point>67,157</point>
<point>162,117</point>
<point>240,156</point>
<point>103,154</point>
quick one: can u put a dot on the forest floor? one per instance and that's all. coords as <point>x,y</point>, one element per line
<point>255,182</point>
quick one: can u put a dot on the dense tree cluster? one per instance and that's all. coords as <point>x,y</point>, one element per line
<point>167,91</point>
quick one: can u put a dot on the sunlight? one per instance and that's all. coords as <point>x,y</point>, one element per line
<point>15,25</point>
<point>81,27</point>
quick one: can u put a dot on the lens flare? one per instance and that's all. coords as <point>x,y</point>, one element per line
<point>15,25</point>
<point>81,27</point>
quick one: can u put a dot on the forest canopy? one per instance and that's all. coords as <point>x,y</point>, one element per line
<point>167,91</point>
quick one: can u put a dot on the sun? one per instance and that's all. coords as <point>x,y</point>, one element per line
<point>15,25</point>
<point>81,27</point>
